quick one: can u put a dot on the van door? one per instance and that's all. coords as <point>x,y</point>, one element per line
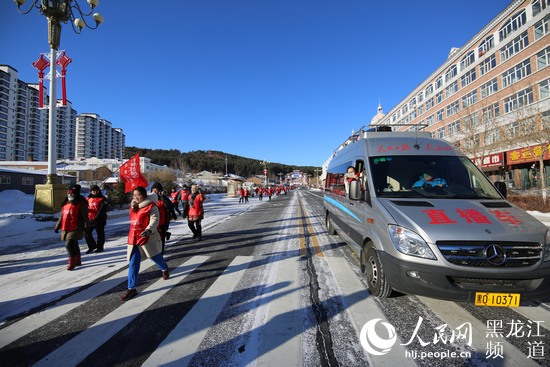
<point>359,209</point>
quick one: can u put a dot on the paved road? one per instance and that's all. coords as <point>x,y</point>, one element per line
<point>268,287</point>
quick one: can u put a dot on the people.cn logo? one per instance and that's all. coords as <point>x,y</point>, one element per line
<point>372,342</point>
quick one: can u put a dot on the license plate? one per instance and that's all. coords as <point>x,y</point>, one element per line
<point>497,299</point>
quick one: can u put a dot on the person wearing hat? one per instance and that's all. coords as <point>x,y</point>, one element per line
<point>428,179</point>
<point>97,215</point>
<point>73,221</point>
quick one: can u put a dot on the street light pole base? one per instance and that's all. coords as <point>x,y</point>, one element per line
<point>49,196</point>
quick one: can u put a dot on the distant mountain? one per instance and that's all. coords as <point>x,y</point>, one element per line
<point>213,161</point>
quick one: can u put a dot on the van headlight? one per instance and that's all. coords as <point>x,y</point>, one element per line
<point>410,243</point>
<point>547,246</point>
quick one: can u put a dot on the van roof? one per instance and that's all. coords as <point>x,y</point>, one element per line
<point>381,143</point>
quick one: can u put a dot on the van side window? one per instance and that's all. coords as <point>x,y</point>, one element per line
<point>336,181</point>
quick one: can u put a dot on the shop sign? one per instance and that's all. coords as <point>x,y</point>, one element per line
<point>491,160</point>
<point>525,155</point>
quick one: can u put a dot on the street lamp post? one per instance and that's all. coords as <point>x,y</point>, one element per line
<point>48,197</point>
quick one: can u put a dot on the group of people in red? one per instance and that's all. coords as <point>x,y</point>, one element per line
<point>150,216</point>
<point>270,191</point>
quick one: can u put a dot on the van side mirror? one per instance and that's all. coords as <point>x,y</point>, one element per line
<point>501,187</point>
<point>355,190</point>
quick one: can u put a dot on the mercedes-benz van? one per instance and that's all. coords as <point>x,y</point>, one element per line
<point>424,220</point>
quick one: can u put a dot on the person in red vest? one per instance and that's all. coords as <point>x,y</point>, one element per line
<point>184,197</point>
<point>196,212</point>
<point>72,222</point>
<point>175,198</point>
<point>97,215</point>
<point>143,238</point>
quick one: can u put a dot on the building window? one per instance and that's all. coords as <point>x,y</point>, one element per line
<point>29,181</point>
<point>452,108</point>
<point>441,132</point>
<point>471,121</point>
<point>413,114</point>
<point>543,58</point>
<point>516,73</point>
<point>451,89</point>
<point>491,137</point>
<point>512,129</point>
<point>5,180</point>
<point>420,110</point>
<point>491,112</point>
<point>438,82</point>
<point>440,115</point>
<point>541,27</point>
<point>429,90</point>
<point>487,65</point>
<point>467,78</point>
<point>451,73</point>
<point>467,60</point>
<point>412,103</point>
<point>430,120</point>
<point>487,44</point>
<point>420,97</point>
<point>491,87</point>
<point>469,99</point>
<point>454,127</point>
<point>514,47</point>
<point>538,6</point>
<point>439,97</point>
<point>515,22</point>
<point>544,89</point>
<point>520,99</point>
<point>429,103</point>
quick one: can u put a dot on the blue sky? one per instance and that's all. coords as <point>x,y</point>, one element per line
<point>278,80</point>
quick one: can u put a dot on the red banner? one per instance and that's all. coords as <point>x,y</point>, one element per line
<point>130,174</point>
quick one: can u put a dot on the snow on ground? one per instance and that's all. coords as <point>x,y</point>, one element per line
<point>33,258</point>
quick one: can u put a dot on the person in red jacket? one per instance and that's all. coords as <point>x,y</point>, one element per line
<point>72,222</point>
<point>196,212</point>
<point>97,215</point>
<point>143,238</point>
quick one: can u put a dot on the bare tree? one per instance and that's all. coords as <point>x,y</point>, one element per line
<point>529,127</point>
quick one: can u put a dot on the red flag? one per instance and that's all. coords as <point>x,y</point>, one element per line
<point>130,174</point>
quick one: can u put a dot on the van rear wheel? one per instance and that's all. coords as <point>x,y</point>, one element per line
<point>372,268</point>
<point>330,227</point>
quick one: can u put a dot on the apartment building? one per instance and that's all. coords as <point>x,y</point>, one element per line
<point>24,126</point>
<point>491,98</point>
<point>97,138</point>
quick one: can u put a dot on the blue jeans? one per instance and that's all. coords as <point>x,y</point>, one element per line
<point>135,261</point>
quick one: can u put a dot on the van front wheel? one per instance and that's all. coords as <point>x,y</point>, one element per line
<point>372,268</point>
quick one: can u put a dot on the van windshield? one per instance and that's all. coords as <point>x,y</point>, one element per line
<point>444,177</point>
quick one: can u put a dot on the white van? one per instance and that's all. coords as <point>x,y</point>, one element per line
<point>425,220</point>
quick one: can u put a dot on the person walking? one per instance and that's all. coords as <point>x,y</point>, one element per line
<point>196,212</point>
<point>246,193</point>
<point>143,238</point>
<point>166,212</point>
<point>184,197</point>
<point>175,198</point>
<point>73,221</point>
<point>97,216</point>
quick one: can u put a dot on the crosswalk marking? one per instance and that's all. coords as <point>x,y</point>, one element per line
<point>34,321</point>
<point>74,351</point>
<point>280,344</point>
<point>180,345</point>
<point>362,308</point>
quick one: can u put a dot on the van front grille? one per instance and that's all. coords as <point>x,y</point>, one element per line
<point>485,254</point>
